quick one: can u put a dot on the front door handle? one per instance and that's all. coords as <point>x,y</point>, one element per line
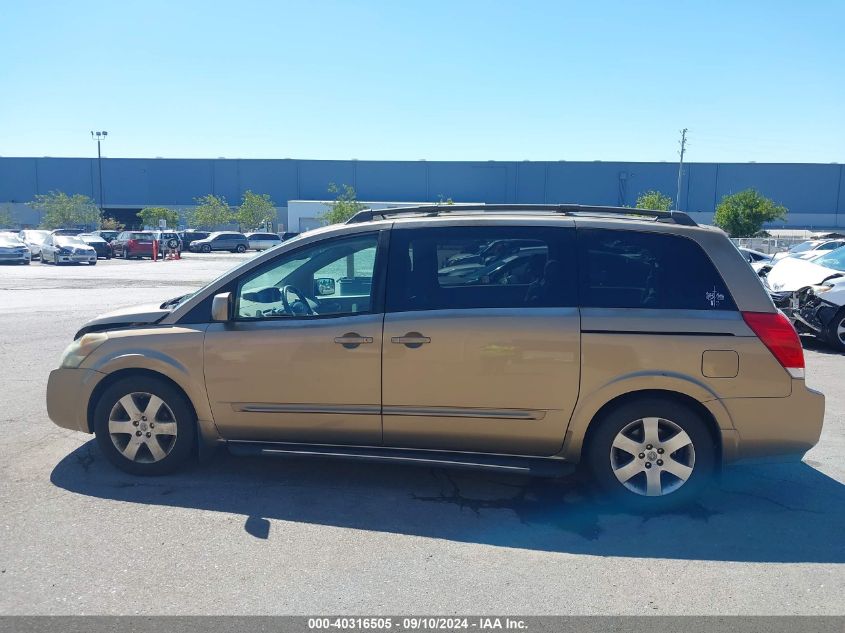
<point>351,340</point>
<point>412,340</point>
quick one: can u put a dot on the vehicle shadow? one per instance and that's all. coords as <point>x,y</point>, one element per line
<point>757,513</point>
<point>808,341</point>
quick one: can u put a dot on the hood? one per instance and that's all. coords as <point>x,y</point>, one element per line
<point>146,314</point>
<point>793,273</point>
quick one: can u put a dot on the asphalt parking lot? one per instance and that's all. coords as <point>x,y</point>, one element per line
<point>244,536</point>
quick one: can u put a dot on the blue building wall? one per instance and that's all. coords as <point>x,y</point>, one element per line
<point>813,193</point>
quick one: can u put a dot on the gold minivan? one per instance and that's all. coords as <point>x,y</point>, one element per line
<point>520,338</point>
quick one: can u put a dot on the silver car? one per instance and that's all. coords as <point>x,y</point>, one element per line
<point>34,238</point>
<point>263,241</point>
<point>13,250</point>
<point>67,249</point>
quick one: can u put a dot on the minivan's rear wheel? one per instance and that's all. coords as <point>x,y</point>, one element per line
<point>652,453</point>
<point>144,426</point>
<point>240,248</point>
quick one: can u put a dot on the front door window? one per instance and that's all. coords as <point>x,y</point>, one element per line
<point>327,279</point>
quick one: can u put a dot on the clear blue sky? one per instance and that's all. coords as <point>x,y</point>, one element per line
<point>440,80</point>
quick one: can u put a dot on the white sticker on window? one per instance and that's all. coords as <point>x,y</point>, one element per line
<point>714,297</point>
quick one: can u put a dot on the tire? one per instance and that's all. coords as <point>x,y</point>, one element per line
<point>175,412</point>
<point>834,331</point>
<point>205,248</point>
<point>240,248</point>
<point>94,263</point>
<point>604,461</point>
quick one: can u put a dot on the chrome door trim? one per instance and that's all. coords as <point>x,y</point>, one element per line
<point>264,407</point>
<point>465,412</point>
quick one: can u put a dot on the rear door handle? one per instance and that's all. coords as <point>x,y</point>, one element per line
<point>351,340</point>
<point>411,340</point>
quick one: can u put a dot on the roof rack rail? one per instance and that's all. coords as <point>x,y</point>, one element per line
<point>433,210</point>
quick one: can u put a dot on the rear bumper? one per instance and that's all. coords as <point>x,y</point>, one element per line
<point>769,427</point>
<point>68,394</point>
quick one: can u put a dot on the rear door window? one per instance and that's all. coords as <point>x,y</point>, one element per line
<point>635,269</point>
<point>481,267</point>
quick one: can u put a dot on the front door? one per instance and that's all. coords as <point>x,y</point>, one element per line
<point>301,359</point>
<point>481,338</point>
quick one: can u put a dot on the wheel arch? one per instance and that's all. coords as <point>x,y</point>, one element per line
<point>683,399</point>
<point>120,374</point>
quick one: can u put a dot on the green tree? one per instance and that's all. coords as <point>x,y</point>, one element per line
<point>743,214</point>
<point>63,211</point>
<point>211,212</point>
<point>6,220</point>
<point>150,216</point>
<point>111,224</point>
<point>256,209</point>
<point>344,206</point>
<point>655,200</point>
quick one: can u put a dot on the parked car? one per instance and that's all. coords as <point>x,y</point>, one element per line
<point>221,241</point>
<point>67,249</point>
<point>100,246</point>
<point>107,235</point>
<point>168,240</point>
<point>33,238</point>
<point>752,256</point>
<point>263,241</point>
<point>70,232</point>
<point>810,249</point>
<point>810,292</point>
<point>13,250</point>
<point>130,244</point>
<point>192,235</point>
<point>650,373</point>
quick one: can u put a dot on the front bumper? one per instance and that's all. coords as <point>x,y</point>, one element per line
<point>68,394</point>
<point>77,258</point>
<point>813,312</point>
<point>14,258</point>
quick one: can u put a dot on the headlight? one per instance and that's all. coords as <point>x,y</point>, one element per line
<point>80,349</point>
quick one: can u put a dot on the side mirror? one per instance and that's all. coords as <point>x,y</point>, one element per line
<point>221,307</point>
<point>324,286</point>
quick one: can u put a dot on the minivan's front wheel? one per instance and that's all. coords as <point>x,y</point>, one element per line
<point>652,454</point>
<point>144,426</point>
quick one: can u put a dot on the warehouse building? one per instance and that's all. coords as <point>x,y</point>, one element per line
<point>813,193</point>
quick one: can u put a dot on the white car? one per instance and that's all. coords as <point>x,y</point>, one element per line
<point>810,249</point>
<point>263,241</point>
<point>34,238</point>
<point>811,292</point>
<point>13,250</point>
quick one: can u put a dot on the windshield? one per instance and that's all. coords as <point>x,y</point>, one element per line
<point>37,236</point>
<point>834,259</point>
<point>8,240</point>
<point>800,248</point>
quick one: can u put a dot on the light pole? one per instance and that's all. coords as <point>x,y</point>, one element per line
<point>99,137</point>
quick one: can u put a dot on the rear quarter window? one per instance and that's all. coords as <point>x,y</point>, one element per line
<point>634,269</point>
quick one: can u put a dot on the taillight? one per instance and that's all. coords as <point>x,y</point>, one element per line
<point>131,242</point>
<point>778,334</point>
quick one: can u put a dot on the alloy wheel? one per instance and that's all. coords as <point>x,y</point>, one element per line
<point>142,427</point>
<point>652,456</point>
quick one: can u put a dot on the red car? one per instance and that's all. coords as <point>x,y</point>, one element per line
<point>131,244</point>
